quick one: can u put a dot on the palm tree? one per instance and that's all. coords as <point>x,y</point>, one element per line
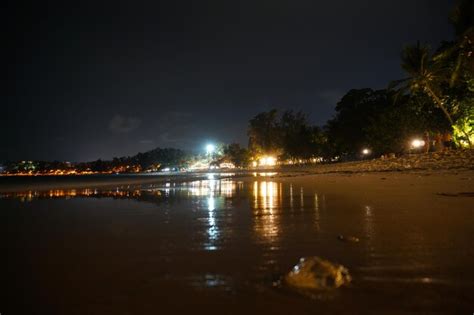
<point>461,51</point>
<point>426,74</point>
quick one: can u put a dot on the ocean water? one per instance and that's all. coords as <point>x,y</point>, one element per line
<point>220,246</point>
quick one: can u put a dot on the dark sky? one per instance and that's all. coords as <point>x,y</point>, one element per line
<point>90,80</point>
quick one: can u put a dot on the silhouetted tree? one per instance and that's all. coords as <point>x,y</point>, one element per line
<point>299,139</point>
<point>239,156</point>
<point>346,131</point>
<point>264,133</point>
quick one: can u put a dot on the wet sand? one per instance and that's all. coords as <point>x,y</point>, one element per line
<point>218,246</point>
<point>41,183</point>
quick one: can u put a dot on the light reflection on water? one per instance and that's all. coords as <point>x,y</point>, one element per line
<point>369,222</point>
<point>267,202</point>
<point>316,212</point>
<point>273,206</point>
<point>266,209</point>
<point>214,191</point>
<point>31,195</point>
<point>250,228</point>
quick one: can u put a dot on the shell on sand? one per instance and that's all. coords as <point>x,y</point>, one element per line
<point>317,273</point>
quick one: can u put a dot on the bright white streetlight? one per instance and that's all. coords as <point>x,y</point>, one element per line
<point>365,151</point>
<point>210,148</point>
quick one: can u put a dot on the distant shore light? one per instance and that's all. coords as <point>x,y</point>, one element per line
<point>267,161</point>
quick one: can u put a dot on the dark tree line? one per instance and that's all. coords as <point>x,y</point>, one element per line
<point>154,159</point>
<point>288,135</point>
<point>151,160</point>
<point>436,97</point>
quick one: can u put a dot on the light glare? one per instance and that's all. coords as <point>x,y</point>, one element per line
<point>210,148</point>
<point>417,143</point>
<point>267,161</point>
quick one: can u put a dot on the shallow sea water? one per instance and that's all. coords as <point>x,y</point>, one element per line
<point>219,245</point>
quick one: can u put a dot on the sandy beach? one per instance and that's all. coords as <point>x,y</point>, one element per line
<point>144,244</point>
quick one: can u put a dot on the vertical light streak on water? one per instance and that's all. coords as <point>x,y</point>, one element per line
<point>213,229</point>
<point>291,197</point>
<point>266,202</point>
<point>301,199</point>
<point>316,212</point>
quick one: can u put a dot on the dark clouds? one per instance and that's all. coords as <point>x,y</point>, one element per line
<point>118,77</point>
<point>122,124</point>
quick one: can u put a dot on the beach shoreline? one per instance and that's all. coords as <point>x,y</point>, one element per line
<point>451,164</point>
<point>413,227</point>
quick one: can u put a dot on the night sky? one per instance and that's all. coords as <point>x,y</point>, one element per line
<point>103,79</point>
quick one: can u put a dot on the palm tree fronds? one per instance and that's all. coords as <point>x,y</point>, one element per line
<point>396,83</point>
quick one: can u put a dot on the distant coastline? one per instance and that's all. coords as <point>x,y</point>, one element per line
<point>450,162</point>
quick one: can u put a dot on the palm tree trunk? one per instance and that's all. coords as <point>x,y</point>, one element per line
<point>439,103</point>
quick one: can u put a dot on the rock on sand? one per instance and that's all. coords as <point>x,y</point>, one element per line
<point>317,274</point>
